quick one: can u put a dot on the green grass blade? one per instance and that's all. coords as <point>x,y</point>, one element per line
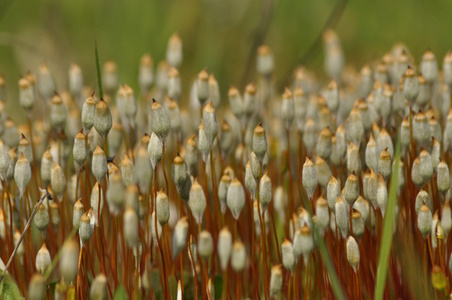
<point>57,256</point>
<point>336,285</point>
<point>9,289</point>
<point>334,280</point>
<point>99,76</point>
<point>388,225</point>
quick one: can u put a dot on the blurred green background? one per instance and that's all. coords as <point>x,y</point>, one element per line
<point>216,34</point>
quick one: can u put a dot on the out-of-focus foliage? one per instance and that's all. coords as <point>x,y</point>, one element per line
<point>216,34</point>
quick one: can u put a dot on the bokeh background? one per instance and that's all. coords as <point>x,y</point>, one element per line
<point>216,34</point>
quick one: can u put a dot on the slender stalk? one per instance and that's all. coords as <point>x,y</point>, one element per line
<point>33,164</point>
<point>164,170</point>
<point>264,247</point>
<point>289,169</point>
<point>165,281</point>
<point>23,234</point>
<point>253,262</point>
<point>350,219</point>
<point>276,238</point>
<point>289,285</point>
<point>424,264</point>
<point>136,275</point>
<point>204,267</point>
<point>181,274</point>
<point>99,226</point>
<point>225,284</point>
<point>131,136</point>
<point>79,271</point>
<point>238,286</point>
<point>194,270</point>
<point>219,216</point>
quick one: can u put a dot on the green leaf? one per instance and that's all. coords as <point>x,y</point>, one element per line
<point>388,224</point>
<point>120,293</point>
<point>99,76</point>
<point>335,284</point>
<point>57,256</point>
<point>218,285</point>
<point>172,284</point>
<point>9,289</point>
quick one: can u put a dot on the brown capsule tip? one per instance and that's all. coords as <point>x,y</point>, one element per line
<point>286,242</point>
<point>225,126</point>
<point>22,157</point>
<point>264,50</point>
<point>196,184</point>
<point>326,132</point>
<point>308,162</point>
<point>80,135</point>
<point>56,99</point>
<point>102,107</point>
<point>305,230</point>
<point>146,60</point>
<point>287,94</point>
<point>435,215</point>
<point>85,218</point>
<point>212,79</point>
<point>191,141</point>
<point>410,72</point>
<point>23,83</point>
<point>319,161</point>
<point>277,269</point>
<point>23,138</point>
<point>209,108</point>
<point>98,151</point>
<point>332,85</point>
<point>424,208</point>
<point>90,100</point>
<point>47,154</point>
<point>172,104</point>
<point>78,203</point>
<point>146,137</point>
<point>250,89</point>
<point>178,160</point>
<point>235,181</point>
<point>322,202</point>
<point>232,92</point>
<point>203,75</point>
<point>225,178</point>
<point>126,160</point>
<point>299,92</point>
<point>421,79</point>
<point>428,56</point>
<point>259,130</point>
<point>173,73</point>
<point>356,214</point>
